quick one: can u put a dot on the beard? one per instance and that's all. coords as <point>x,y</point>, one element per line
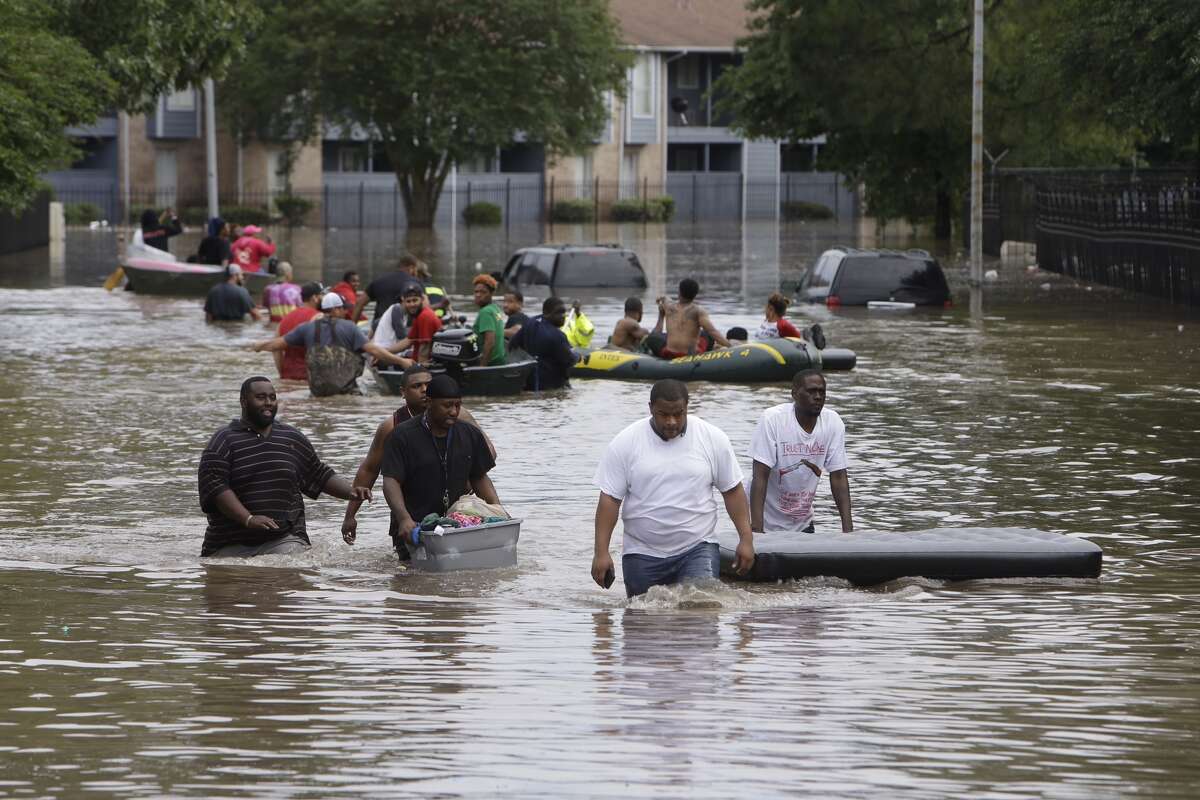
<point>260,418</point>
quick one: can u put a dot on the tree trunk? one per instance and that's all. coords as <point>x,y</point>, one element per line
<point>421,189</point>
<point>941,219</point>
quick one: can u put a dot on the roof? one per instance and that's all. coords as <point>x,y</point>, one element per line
<point>681,24</point>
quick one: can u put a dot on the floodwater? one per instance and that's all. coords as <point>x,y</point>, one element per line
<point>129,667</point>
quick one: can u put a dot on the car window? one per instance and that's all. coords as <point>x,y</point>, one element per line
<point>536,268</point>
<point>511,267</point>
<point>598,268</point>
<point>883,275</point>
<point>823,271</point>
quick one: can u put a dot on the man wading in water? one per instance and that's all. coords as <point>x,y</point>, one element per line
<point>416,401</point>
<point>684,320</point>
<point>251,476</point>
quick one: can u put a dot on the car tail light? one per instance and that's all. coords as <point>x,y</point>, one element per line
<point>948,304</point>
<point>833,301</point>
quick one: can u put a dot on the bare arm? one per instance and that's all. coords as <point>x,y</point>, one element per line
<point>839,484</point>
<point>270,345</point>
<point>739,512</point>
<point>231,508</point>
<point>381,354</point>
<point>511,331</point>
<point>758,495</point>
<point>254,314</point>
<point>486,490</point>
<point>608,509</point>
<point>662,315</point>
<point>708,327</point>
<point>368,471</point>
<point>340,488</point>
<point>393,492</point>
<point>467,416</point>
<point>359,305</point>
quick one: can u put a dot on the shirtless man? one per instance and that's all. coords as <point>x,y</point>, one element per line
<point>629,331</point>
<point>684,320</point>
<point>416,383</point>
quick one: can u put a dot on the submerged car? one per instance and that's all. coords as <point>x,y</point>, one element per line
<point>845,276</point>
<point>572,266</point>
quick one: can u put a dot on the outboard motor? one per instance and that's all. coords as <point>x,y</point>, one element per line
<point>454,349</point>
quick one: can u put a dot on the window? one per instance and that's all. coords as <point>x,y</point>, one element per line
<point>643,85</point>
<point>583,175</point>
<point>687,72</point>
<point>598,268</point>
<point>352,159</point>
<point>181,100</point>
<point>477,165</point>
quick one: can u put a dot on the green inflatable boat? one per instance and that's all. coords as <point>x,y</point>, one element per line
<point>753,362</point>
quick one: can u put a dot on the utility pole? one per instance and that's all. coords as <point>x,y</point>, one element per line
<point>210,144</point>
<point>976,276</point>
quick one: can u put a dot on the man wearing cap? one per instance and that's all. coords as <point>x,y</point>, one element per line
<point>229,301</point>
<point>290,362</point>
<point>252,475</point>
<point>332,328</point>
<point>430,461</point>
<point>489,323</point>
<point>249,251</point>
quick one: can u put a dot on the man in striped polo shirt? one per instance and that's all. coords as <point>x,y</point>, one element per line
<point>251,476</point>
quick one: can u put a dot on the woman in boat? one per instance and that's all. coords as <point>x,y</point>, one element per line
<point>158,228</point>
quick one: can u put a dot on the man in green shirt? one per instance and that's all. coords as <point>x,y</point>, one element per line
<point>489,324</point>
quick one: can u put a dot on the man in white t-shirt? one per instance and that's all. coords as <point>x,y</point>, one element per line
<point>659,474</point>
<point>792,445</point>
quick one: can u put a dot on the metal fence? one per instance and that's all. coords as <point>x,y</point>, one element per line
<point>375,201</point>
<point>30,228</point>
<point>1141,235</point>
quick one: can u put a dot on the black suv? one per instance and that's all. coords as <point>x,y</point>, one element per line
<point>846,276</point>
<point>573,266</point>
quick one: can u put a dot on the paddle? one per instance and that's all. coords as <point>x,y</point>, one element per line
<point>114,279</point>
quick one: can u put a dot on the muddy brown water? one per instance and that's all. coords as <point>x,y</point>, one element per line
<point>129,667</point>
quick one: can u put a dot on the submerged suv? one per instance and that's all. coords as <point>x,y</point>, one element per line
<point>845,276</point>
<point>575,266</point>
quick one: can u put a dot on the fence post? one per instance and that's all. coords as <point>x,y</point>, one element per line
<point>468,194</point>
<point>741,197</point>
<point>325,206</point>
<point>362,189</point>
<point>645,186</point>
<point>693,198</point>
<point>507,201</point>
<point>396,206</point>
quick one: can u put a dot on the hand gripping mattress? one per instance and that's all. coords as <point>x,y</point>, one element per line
<point>952,554</point>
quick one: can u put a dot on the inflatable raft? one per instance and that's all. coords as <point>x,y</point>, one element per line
<point>485,546</point>
<point>951,554</point>
<point>753,362</point>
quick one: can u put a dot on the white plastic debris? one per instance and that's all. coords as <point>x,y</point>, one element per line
<point>1045,287</point>
<point>991,275</point>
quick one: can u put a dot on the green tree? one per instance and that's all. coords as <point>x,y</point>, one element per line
<point>47,82</point>
<point>436,82</point>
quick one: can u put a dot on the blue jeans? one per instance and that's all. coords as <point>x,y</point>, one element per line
<point>641,572</point>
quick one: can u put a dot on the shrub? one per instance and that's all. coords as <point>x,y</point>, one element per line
<point>81,213</point>
<point>193,215</point>
<point>482,213</point>
<point>653,209</point>
<point>245,215</point>
<point>293,208</point>
<point>573,211</point>
<point>801,209</point>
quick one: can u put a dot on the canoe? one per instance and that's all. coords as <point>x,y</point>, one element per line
<point>487,546</point>
<point>753,362</point>
<point>950,554</point>
<point>148,276</point>
<point>503,379</point>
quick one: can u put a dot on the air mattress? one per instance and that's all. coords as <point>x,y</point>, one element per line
<point>753,362</point>
<point>952,554</point>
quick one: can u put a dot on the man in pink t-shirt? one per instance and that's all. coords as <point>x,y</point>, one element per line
<point>249,250</point>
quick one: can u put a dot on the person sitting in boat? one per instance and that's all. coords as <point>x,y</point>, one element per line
<point>737,335</point>
<point>792,445</point>
<point>347,288</point>
<point>542,338</point>
<point>416,340</point>
<point>685,320</point>
<point>214,248</point>
<point>776,326</point>
<point>283,296</point>
<point>514,312</point>
<point>430,461</point>
<point>333,349</point>
<point>229,301</point>
<point>414,388</point>
<point>158,228</point>
<point>249,250</point>
<point>629,333</point>
<point>489,323</point>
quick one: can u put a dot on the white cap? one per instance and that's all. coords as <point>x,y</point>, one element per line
<point>331,301</point>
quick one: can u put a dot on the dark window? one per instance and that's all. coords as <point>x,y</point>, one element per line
<point>799,157</point>
<point>536,268</point>
<point>823,271</point>
<point>598,268</point>
<point>863,279</point>
<point>685,158</point>
<point>724,158</point>
<point>379,160</point>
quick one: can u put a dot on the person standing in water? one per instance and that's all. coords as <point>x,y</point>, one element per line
<point>793,444</point>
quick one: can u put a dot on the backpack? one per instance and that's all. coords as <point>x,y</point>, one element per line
<point>332,368</point>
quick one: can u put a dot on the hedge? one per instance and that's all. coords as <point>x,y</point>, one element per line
<point>800,209</point>
<point>81,213</point>
<point>235,215</point>
<point>293,208</point>
<point>482,213</point>
<point>653,209</point>
<point>573,211</point>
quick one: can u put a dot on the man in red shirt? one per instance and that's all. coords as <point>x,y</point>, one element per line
<point>347,288</point>
<point>425,323</point>
<point>290,362</point>
<point>249,251</point>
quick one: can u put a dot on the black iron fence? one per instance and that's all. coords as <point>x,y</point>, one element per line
<point>375,201</point>
<point>30,228</point>
<point>1141,235</point>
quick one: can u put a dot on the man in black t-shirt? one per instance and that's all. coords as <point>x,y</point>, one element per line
<point>430,461</point>
<point>229,301</point>
<point>386,290</point>
<point>514,305</point>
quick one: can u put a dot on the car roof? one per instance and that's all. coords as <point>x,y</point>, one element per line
<point>559,248</point>
<point>880,252</point>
